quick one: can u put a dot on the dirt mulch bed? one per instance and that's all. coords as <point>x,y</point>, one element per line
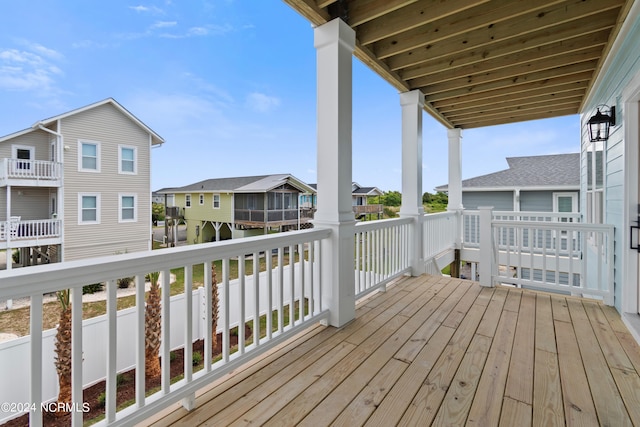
<point>126,389</point>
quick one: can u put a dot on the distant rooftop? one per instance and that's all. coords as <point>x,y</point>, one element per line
<point>244,184</point>
<point>555,170</point>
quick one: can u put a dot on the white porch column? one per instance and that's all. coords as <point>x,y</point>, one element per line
<point>455,169</point>
<point>412,104</point>
<point>335,42</point>
<point>7,233</point>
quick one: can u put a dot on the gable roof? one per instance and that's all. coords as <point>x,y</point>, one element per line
<point>244,184</point>
<point>155,138</point>
<point>356,189</point>
<point>548,171</point>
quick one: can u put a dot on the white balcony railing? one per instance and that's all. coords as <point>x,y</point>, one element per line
<point>39,170</point>
<point>381,253</point>
<point>286,294</point>
<point>543,250</point>
<point>30,229</point>
<point>257,295</point>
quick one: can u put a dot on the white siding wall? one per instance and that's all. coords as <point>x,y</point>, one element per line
<point>624,67</point>
<point>108,126</point>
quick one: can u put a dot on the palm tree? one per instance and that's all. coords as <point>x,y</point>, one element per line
<point>152,317</point>
<point>63,348</point>
<point>214,309</point>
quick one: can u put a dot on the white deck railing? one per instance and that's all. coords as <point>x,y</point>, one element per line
<point>30,229</point>
<point>441,233</point>
<point>30,169</point>
<point>381,253</point>
<point>544,250</point>
<point>302,309</point>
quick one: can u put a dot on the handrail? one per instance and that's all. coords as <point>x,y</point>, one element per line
<point>291,286</point>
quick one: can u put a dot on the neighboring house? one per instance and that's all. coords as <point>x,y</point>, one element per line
<point>549,183</point>
<point>163,198</point>
<point>360,200</point>
<point>225,208</point>
<point>77,185</point>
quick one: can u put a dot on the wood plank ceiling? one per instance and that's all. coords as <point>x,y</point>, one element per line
<point>482,62</point>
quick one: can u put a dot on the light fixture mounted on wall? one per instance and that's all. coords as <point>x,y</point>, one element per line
<point>600,123</point>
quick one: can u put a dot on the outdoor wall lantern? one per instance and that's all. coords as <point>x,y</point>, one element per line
<point>600,123</point>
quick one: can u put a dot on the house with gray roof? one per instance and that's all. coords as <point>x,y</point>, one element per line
<point>225,208</point>
<point>547,183</point>
<point>360,200</point>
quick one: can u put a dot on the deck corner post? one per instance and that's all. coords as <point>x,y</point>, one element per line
<point>486,247</point>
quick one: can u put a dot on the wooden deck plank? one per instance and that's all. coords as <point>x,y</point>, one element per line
<point>545,335</point>
<point>613,351</point>
<point>292,405</point>
<point>559,309</point>
<point>629,385</point>
<point>264,395</point>
<point>533,359</point>
<point>513,300</point>
<point>390,411</point>
<point>515,413</point>
<point>414,346</point>
<point>609,405</point>
<point>520,379</point>
<point>487,403</point>
<point>628,343</point>
<point>427,400</point>
<point>457,402</point>
<point>331,407</point>
<point>547,392</point>
<point>489,322</point>
<point>578,406</point>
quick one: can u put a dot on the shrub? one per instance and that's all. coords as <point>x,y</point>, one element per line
<point>92,289</point>
<point>172,356</point>
<point>196,359</point>
<point>15,255</point>
<point>121,379</point>
<point>102,398</point>
<point>124,282</point>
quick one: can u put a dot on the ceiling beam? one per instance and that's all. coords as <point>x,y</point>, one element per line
<point>441,82</point>
<point>506,111</point>
<point>481,16</point>
<point>515,118</point>
<point>488,105</point>
<point>570,82</point>
<point>411,16</point>
<point>361,11</point>
<point>310,10</point>
<point>483,41</point>
<point>467,64</point>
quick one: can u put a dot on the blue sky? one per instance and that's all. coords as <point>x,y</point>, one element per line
<point>230,86</point>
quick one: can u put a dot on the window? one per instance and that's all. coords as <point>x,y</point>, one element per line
<point>595,183</point>
<point>88,208</point>
<point>21,152</point>
<point>187,200</point>
<point>201,199</point>
<point>127,208</point>
<point>216,201</point>
<point>88,156</point>
<point>127,160</point>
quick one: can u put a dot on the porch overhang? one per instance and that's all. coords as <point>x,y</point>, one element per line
<point>482,63</point>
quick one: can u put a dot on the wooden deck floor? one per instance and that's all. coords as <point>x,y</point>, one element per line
<point>441,351</point>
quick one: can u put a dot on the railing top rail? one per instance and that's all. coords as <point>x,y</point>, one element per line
<point>526,213</point>
<point>569,226</point>
<point>380,224</point>
<point>74,274</point>
<point>431,216</point>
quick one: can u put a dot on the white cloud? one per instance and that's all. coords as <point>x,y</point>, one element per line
<point>261,102</point>
<point>28,71</point>
<point>164,24</point>
<point>146,9</point>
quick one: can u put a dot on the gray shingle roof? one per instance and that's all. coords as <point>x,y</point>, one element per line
<point>244,184</point>
<point>555,170</point>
